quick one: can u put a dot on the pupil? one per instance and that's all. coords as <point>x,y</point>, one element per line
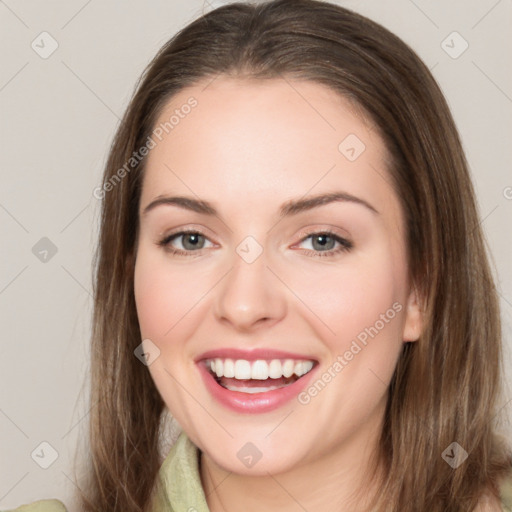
<point>192,240</point>
<point>323,241</point>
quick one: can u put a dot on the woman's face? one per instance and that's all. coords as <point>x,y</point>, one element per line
<point>271,272</point>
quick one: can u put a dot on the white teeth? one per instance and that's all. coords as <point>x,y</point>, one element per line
<point>274,369</point>
<point>242,369</point>
<point>219,367</point>
<point>260,369</point>
<point>288,368</point>
<point>229,368</point>
<point>253,390</point>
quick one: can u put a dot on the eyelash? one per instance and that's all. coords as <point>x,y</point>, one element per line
<point>344,245</point>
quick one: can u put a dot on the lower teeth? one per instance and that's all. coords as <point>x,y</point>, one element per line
<point>252,390</point>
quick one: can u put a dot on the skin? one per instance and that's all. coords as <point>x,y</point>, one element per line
<point>248,147</point>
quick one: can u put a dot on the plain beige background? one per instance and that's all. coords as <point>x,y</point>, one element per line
<point>58,116</point>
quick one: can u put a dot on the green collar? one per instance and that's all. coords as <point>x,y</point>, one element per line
<point>181,479</point>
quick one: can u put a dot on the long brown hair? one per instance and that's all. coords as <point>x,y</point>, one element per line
<point>446,387</point>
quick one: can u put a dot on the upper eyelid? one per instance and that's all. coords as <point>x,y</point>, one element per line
<point>184,230</point>
<point>342,240</point>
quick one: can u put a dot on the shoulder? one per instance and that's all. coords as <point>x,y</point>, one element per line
<point>489,503</point>
<point>506,492</point>
<point>40,506</point>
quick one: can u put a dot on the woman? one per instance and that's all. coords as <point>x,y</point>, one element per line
<point>291,263</point>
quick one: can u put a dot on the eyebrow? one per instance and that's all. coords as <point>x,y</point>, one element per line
<point>291,207</point>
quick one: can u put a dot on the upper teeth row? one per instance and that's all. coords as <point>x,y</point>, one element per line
<point>259,369</point>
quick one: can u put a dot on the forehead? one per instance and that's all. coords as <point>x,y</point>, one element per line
<point>265,139</point>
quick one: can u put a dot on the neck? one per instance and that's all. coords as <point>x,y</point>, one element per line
<point>336,481</point>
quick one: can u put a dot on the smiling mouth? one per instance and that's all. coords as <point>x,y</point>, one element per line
<point>258,376</point>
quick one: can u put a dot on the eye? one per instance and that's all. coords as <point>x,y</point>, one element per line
<point>323,243</point>
<point>187,241</point>
<point>326,243</point>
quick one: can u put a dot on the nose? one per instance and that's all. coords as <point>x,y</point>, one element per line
<point>250,296</point>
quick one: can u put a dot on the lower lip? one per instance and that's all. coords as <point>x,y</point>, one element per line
<point>256,402</point>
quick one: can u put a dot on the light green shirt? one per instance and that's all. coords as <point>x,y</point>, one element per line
<point>183,489</point>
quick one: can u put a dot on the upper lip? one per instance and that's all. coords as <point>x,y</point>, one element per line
<point>251,355</point>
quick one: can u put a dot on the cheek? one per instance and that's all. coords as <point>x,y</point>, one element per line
<point>162,296</point>
<point>352,296</point>
<point>362,303</point>
<point>162,299</point>
<point>154,298</point>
